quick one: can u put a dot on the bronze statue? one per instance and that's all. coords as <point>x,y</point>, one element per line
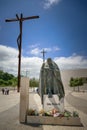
<point>50,80</point>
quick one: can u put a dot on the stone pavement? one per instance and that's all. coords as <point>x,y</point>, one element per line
<point>78,101</point>
<point>8,101</point>
<point>82,95</point>
<point>82,109</point>
<point>9,114</point>
<point>69,107</point>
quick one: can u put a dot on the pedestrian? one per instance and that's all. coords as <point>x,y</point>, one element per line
<point>3,90</point>
<point>7,91</point>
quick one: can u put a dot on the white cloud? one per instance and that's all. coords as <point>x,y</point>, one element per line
<point>7,52</point>
<point>48,49</point>
<point>56,48</point>
<point>49,3</point>
<point>9,62</point>
<point>72,62</point>
<point>8,59</point>
<point>35,51</point>
<point>34,45</point>
<point>32,65</point>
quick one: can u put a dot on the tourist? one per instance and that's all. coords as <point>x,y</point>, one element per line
<point>3,90</point>
<point>6,91</point>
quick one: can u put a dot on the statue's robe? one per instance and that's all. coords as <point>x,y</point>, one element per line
<point>50,80</point>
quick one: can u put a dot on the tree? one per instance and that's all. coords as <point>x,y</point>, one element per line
<point>14,81</point>
<point>71,83</point>
<point>1,82</point>
<point>34,82</point>
<point>80,82</point>
<point>7,79</point>
<point>76,82</point>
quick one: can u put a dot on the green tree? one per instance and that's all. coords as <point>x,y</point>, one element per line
<point>1,74</point>
<point>7,79</point>
<point>71,83</point>
<point>80,82</point>
<point>34,82</point>
<point>14,81</point>
<point>1,82</point>
<point>76,82</point>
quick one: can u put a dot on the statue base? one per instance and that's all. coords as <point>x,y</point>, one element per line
<point>63,121</point>
<point>53,102</point>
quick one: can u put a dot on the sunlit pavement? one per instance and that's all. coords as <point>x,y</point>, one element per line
<point>9,113</point>
<point>8,101</point>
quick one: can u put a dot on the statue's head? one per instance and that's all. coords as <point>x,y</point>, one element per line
<point>49,60</point>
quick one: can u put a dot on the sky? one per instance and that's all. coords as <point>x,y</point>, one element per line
<point>61,31</point>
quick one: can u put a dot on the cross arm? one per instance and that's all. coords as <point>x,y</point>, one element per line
<point>43,51</point>
<point>11,20</point>
<point>21,19</point>
<point>32,17</point>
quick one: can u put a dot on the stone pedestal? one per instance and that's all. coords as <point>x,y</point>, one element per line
<point>44,120</point>
<point>53,102</point>
<point>24,99</point>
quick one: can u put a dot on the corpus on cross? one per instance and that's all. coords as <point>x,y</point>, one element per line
<point>19,40</point>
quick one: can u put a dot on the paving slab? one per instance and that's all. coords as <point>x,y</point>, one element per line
<point>9,114</point>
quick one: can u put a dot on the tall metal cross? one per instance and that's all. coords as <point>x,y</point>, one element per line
<point>43,52</point>
<point>19,40</point>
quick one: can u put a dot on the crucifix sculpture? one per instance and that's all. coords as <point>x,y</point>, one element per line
<point>19,40</point>
<point>43,52</point>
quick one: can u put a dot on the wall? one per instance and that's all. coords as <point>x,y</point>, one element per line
<point>67,74</point>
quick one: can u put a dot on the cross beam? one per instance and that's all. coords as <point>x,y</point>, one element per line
<point>19,40</point>
<point>43,52</point>
<point>18,19</point>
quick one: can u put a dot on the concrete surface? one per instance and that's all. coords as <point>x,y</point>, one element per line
<point>9,112</point>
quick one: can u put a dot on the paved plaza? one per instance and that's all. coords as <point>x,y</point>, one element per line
<point>9,111</point>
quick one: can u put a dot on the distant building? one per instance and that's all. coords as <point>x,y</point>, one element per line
<point>67,74</point>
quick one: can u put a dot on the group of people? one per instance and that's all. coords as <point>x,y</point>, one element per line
<point>5,91</point>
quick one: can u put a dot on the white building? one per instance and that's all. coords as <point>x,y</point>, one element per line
<point>67,74</point>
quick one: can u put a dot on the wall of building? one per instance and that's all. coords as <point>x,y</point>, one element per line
<point>67,74</point>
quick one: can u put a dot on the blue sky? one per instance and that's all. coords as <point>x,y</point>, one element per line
<point>61,30</point>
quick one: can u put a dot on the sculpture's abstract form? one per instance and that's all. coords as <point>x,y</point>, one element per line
<point>50,80</point>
